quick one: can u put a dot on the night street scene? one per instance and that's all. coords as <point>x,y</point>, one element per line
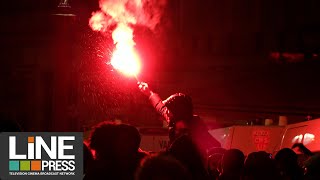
<point>168,89</point>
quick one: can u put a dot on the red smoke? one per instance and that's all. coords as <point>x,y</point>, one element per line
<point>142,12</point>
<point>125,13</point>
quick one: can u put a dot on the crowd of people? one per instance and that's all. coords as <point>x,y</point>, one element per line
<point>116,155</point>
<point>192,154</point>
<point>113,151</point>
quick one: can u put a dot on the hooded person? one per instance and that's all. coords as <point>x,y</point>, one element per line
<point>177,110</point>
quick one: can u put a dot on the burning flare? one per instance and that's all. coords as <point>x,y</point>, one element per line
<point>125,13</point>
<point>125,58</point>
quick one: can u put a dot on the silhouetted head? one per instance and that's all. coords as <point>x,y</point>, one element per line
<point>128,139</point>
<point>117,150</point>
<point>161,167</point>
<point>232,161</point>
<point>181,114</point>
<point>180,106</point>
<point>286,156</point>
<point>102,139</point>
<point>111,140</point>
<point>259,165</point>
<point>214,158</point>
<point>287,164</point>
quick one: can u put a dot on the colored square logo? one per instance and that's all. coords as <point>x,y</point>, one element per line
<point>13,165</point>
<point>30,139</point>
<point>18,151</point>
<point>35,165</point>
<point>24,165</point>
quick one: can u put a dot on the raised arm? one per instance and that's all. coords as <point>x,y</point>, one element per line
<point>155,101</point>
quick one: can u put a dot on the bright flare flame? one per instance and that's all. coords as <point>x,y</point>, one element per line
<point>124,58</point>
<point>124,13</point>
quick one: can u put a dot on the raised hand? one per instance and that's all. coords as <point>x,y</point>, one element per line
<point>144,88</point>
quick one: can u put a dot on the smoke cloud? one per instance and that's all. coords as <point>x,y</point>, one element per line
<point>130,12</point>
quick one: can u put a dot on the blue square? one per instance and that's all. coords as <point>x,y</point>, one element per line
<point>14,166</point>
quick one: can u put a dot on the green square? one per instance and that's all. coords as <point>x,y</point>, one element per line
<point>24,165</point>
<point>13,165</point>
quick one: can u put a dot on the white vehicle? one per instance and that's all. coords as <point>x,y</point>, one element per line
<point>249,138</point>
<point>154,139</point>
<point>246,138</point>
<point>307,132</point>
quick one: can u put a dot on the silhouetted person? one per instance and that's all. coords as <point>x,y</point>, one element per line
<point>304,153</point>
<point>102,142</point>
<point>260,166</point>
<point>117,152</point>
<point>127,145</point>
<point>310,162</point>
<point>232,163</point>
<point>312,168</point>
<point>87,158</point>
<point>214,162</point>
<point>301,148</point>
<point>162,167</point>
<point>188,134</point>
<point>178,112</point>
<point>287,164</point>
<point>184,150</point>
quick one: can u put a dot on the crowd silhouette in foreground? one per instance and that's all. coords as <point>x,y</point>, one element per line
<point>117,156</point>
<point>192,154</point>
<point>113,151</point>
